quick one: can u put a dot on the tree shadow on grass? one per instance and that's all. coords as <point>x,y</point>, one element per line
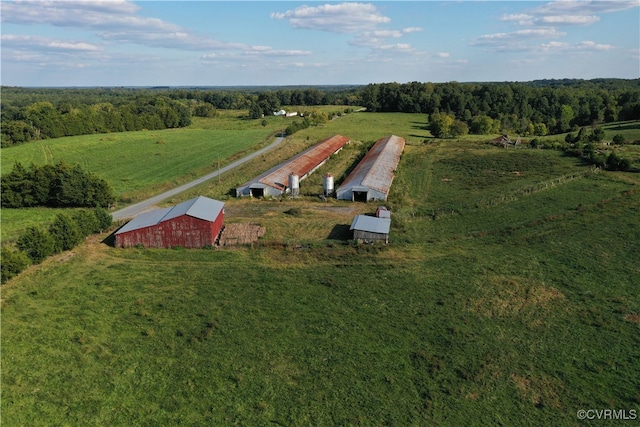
<point>340,232</point>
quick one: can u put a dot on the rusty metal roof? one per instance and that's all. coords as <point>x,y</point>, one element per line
<point>302,163</point>
<point>376,169</point>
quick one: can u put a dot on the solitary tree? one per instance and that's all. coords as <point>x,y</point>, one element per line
<point>618,138</point>
<point>440,125</point>
<point>597,135</point>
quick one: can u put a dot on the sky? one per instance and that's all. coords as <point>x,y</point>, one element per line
<point>240,43</point>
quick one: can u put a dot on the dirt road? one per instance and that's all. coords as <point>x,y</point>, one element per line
<point>145,205</point>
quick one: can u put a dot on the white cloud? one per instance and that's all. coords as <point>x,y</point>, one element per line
<point>410,30</point>
<point>519,35</point>
<point>281,52</point>
<point>516,41</point>
<point>335,18</point>
<point>385,33</point>
<point>364,20</point>
<point>569,19</point>
<point>542,21</point>
<point>590,45</point>
<point>398,47</point>
<point>584,7</point>
<point>112,15</point>
<point>554,46</point>
<point>46,43</point>
<point>569,12</point>
<point>519,18</point>
<point>119,21</point>
<point>443,54</point>
<point>583,46</point>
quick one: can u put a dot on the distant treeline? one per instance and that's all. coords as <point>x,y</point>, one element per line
<point>559,105</point>
<point>58,115</point>
<point>39,113</point>
<point>59,186</point>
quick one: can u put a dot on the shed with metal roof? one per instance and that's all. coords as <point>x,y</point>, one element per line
<point>275,181</point>
<point>192,224</point>
<point>370,228</point>
<point>372,177</point>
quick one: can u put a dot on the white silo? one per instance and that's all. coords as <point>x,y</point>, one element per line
<point>294,184</point>
<point>327,184</point>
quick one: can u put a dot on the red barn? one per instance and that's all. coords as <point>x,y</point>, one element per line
<point>192,224</point>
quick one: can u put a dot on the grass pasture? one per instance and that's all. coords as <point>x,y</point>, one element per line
<point>507,296</point>
<point>140,164</point>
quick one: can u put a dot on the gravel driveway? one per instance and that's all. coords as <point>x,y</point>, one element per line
<point>145,205</point>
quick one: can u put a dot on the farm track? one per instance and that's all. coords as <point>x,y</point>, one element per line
<point>145,205</point>
<point>47,154</point>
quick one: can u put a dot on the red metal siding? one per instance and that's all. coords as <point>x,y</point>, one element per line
<point>185,231</point>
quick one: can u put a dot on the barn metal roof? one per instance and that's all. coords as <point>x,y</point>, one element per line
<point>199,207</point>
<point>371,224</point>
<point>302,163</point>
<point>375,170</point>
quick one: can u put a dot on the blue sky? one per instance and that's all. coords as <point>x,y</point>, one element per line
<point>198,43</point>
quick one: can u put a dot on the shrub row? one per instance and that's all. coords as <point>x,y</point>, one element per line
<point>64,233</point>
<point>60,186</point>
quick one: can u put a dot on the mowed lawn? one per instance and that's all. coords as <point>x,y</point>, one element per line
<point>508,296</point>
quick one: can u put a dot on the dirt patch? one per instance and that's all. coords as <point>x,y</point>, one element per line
<point>66,257</point>
<point>346,210</point>
<point>515,297</point>
<point>540,392</point>
<point>634,318</point>
<point>241,234</point>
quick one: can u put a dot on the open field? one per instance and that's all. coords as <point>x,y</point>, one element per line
<point>630,130</point>
<point>140,164</point>
<point>508,296</point>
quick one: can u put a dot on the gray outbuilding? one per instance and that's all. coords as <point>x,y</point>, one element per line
<point>369,229</point>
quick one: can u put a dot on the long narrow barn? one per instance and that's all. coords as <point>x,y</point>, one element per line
<point>195,223</point>
<point>372,178</point>
<point>275,181</point>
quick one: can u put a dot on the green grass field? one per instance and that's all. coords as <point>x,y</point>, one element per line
<point>140,164</point>
<point>507,296</point>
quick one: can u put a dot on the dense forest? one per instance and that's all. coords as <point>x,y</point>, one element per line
<point>534,108</point>
<point>56,113</point>
<point>529,108</point>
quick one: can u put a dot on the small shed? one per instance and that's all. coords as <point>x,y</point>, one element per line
<point>383,212</point>
<point>192,224</point>
<point>370,229</point>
